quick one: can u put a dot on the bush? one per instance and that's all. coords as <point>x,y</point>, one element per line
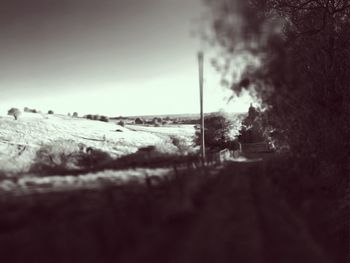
<point>89,116</point>
<point>50,112</point>
<point>104,119</point>
<point>217,133</point>
<point>252,129</point>
<point>94,158</point>
<point>14,112</point>
<point>66,156</point>
<point>180,144</point>
<point>26,109</point>
<point>139,121</point>
<point>58,157</point>
<point>121,123</point>
<point>75,114</point>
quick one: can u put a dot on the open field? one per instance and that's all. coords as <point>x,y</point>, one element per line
<point>21,139</point>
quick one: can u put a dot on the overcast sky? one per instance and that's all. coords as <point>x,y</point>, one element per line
<point>115,57</point>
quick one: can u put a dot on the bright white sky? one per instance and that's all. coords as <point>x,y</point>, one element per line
<point>125,58</point>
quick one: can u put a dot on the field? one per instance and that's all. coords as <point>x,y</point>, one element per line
<point>61,135</point>
<point>243,211</point>
<point>19,140</point>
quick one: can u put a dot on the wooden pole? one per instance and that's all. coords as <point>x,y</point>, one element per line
<point>200,64</point>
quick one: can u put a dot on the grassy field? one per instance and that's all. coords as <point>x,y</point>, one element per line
<point>20,140</point>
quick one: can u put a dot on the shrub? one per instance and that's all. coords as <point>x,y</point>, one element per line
<point>104,119</point>
<point>180,144</point>
<point>89,116</point>
<point>58,157</point>
<point>94,158</point>
<point>14,112</point>
<point>75,114</point>
<point>96,117</point>
<point>217,133</point>
<point>65,156</point>
<point>139,121</point>
<point>121,123</point>
<point>50,112</point>
<point>252,129</point>
<point>26,109</point>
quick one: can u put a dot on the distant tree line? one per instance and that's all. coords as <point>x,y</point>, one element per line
<point>26,109</point>
<point>97,117</point>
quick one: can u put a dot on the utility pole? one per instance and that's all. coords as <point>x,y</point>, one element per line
<point>200,65</point>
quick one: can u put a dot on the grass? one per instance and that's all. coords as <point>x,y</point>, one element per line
<point>319,196</point>
<point>21,140</point>
<point>102,225</point>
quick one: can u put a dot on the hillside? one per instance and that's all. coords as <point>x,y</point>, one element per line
<point>21,139</point>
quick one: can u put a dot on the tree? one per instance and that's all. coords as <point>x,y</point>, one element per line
<point>252,130</point>
<point>139,121</point>
<point>157,121</point>
<point>75,114</point>
<point>50,112</point>
<point>296,55</point>
<point>121,123</point>
<point>217,133</point>
<point>104,119</point>
<point>14,112</point>
<point>26,109</point>
<point>96,117</point>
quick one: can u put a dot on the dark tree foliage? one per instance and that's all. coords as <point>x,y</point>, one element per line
<point>304,73</point>
<point>50,112</point>
<point>75,114</point>
<point>26,109</point>
<point>252,129</point>
<point>14,112</point>
<point>139,121</point>
<point>217,133</point>
<point>303,78</point>
<point>121,123</point>
<point>104,118</point>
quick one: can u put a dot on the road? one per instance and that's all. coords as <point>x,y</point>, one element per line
<point>235,215</point>
<point>242,219</point>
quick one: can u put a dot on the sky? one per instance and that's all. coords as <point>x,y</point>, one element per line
<point>113,57</point>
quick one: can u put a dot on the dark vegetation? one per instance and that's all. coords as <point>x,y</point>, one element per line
<point>303,81</point>
<point>14,112</point>
<point>101,225</point>
<point>26,109</point>
<point>64,158</point>
<point>217,133</point>
<point>252,128</point>
<point>51,160</point>
<point>97,117</point>
<point>121,123</point>
<point>139,121</point>
<point>50,112</point>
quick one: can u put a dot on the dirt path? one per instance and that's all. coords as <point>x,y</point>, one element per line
<point>243,219</point>
<point>236,215</point>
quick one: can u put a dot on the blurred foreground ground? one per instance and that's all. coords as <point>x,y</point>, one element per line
<point>232,213</point>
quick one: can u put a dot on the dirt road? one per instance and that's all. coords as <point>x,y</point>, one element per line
<point>242,218</point>
<point>235,215</point>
